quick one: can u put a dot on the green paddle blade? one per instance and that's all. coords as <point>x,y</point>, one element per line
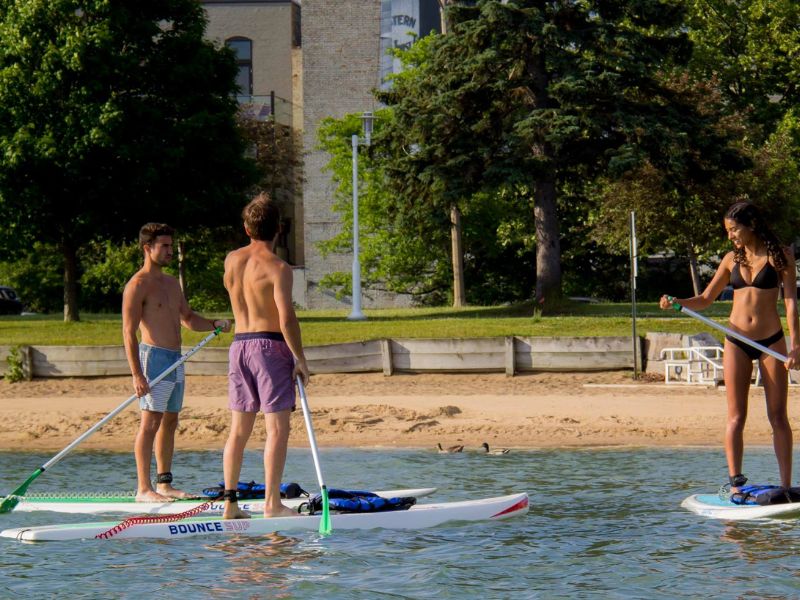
<point>325,527</point>
<point>14,497</point>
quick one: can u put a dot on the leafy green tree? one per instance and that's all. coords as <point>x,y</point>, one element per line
<point>113,114</point>
<point>105,268</point>
<point>527,95</point>
<point>774,181</point>
<point>406,250</point>
<point>752,48</point>
<point>397,252</point>
<point>37,276</point>
<point>205,250</point>
<point>275,149</point>
<point>679,206</point>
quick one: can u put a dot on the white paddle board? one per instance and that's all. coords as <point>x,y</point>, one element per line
<point>417,517</point>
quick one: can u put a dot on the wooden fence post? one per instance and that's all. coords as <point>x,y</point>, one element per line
<point>386,357</point>
<point>510,356</point>
<point>27,362</point>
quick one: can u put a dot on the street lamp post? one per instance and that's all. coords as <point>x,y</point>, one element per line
<point>366,125</point>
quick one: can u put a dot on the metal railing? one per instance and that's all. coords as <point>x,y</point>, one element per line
<point>695,364</point>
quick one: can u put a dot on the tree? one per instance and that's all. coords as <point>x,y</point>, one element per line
<point>405,247</point>
<point>751,47</point>
<point>111,115</point>
<point>399,253</point>
<point>679,196</point>
<point>774,181</point>
<point>275,149</point>
<point>529,94</point>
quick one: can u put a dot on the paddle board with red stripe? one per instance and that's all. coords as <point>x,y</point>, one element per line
<point>417,517</point>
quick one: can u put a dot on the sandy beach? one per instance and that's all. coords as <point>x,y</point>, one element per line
<point>370,410</point>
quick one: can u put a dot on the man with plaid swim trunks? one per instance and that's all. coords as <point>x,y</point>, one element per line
<point>265,357</point>
<point>154,305</point>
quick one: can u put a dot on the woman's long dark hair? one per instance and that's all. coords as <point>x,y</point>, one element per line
<point>748,215</point>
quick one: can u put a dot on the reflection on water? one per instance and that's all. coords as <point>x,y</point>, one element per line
<point>603,523</point>
<point>261,561</point>
<point>754,542</point>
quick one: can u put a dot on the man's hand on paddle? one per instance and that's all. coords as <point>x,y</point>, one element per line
<point>223,324</point>
<point>301,370</point>
<point>140,386</point>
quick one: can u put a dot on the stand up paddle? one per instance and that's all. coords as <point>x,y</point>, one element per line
<point>14,497</point>
<point>325,527</point>
<point>726,331</point>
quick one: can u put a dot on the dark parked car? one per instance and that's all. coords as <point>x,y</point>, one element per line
<point>10,303</point>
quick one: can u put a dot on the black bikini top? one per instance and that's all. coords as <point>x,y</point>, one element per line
<point>766,279</point>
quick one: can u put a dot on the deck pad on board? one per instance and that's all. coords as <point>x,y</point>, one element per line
<point>711,505</point>
<point>99,503</point>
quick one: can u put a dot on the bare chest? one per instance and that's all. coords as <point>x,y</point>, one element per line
<point>161,299</point>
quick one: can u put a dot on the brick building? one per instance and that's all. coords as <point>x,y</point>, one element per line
<point>319,58</point>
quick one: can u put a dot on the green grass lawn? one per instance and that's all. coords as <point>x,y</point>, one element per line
<point>330,326</point>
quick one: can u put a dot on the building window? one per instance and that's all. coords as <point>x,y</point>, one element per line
<point>243,48</point>
<point>297,39</point>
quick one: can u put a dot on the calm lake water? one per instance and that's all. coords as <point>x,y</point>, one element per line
<point>603,524</point>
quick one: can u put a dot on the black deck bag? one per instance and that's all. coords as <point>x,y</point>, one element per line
<point>765,495</point>
<point>356,501</point>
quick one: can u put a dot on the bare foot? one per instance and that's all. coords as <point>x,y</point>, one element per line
<point>232,511</point>
<point>152,496</point>
<point>166,489</point>
<point>283,511</point>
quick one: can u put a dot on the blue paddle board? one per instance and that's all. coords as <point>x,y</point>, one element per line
<point>711,505</point>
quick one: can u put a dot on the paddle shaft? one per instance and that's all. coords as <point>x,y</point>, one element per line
<point>325,526</point>
<point>124,405</point>
<point>727,331</point>
<point>311,438</point>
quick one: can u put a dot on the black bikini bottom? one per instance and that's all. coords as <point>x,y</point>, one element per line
<point>755,353</point>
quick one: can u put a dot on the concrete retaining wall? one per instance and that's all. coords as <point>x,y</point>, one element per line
<point>505,355</point>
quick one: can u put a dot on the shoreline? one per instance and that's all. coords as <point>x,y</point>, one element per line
<point>540,411</point>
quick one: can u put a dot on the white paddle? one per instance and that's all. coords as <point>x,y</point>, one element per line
<point>726,331</point>
<point>14,497</point>
<point>325,526</point>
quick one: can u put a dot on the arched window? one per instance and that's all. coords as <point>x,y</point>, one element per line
<point>243,48</point>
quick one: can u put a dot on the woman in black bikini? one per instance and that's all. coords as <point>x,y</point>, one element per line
<point>756,268</point>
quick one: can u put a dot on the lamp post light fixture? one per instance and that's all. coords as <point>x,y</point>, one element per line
<point>366,127</point>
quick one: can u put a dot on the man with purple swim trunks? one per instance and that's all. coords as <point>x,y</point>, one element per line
<point>265,357</point>
<point>154,306</point>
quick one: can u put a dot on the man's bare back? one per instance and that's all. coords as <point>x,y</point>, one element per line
<point>254,276</point>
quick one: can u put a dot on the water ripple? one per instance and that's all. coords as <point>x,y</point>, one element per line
<point>603,524</point>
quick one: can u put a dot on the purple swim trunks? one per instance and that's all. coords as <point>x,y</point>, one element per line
<point>260,373</point>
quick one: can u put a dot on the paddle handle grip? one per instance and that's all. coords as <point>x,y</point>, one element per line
<point>125,404</point>
<point>727,331</point>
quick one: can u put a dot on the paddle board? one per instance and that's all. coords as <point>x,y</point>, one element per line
<point>711,505</point>
<point>126,503</point>
<point>417,517</point>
